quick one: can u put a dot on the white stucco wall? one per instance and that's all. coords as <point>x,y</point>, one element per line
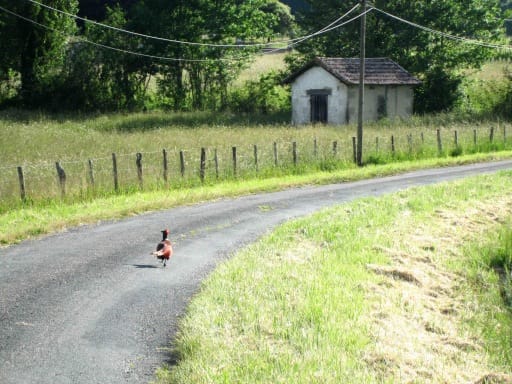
<point>318,78</point>
<point>343,100</point>
<point>405,102</point>
<point>398,102</point>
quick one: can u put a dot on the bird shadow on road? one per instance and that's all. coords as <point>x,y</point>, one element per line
<point>144,266</point>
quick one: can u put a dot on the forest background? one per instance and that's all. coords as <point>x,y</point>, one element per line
<point>186,55</point>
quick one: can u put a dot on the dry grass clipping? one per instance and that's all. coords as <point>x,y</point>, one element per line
<point>415,327</point>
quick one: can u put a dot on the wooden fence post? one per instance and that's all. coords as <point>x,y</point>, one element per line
<point>233,153</point>
<point>315,148</point>
<point>474,137</point>
<point>456,138</point>
<point>114,171</point>
<point>275,154</point>
<point>216,161</point>
<point>91,173</point>
<point>334,148</point>
<point>393,145</point>
<point>294,152</point>
<point>62,178</point>
<point>182,164</point>
<point>165,165</point>
<point>22,183</point>
<point>439,142</point>
<point>354,148</point>
<point>202,165</point>
<point>491,135</point>
<point>256,157</point>
<point>377,144</point>
<point>138,162</point>
<point>422,138</point>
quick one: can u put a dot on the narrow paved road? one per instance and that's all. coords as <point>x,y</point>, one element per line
<point>91,305</point>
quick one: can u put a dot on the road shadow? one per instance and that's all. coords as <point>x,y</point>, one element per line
<point>144,266</point>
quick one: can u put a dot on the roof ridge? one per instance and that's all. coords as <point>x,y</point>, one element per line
<point>379,70</point>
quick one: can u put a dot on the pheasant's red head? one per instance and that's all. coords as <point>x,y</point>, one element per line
<point>165,231</point>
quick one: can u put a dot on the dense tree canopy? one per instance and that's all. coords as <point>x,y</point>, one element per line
<point>97,67</point>
<point>295,5</point>
<point>199,73</point>
<point>34,43</point>
<point>97,9</point>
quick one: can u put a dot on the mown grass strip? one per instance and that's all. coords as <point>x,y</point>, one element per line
<point>304,305</point>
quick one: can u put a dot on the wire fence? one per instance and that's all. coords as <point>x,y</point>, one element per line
<point>175,168</point>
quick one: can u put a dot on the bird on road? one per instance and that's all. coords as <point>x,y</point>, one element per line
<point>164,248</point>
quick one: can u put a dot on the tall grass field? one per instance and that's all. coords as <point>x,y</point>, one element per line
<point>235,148</point>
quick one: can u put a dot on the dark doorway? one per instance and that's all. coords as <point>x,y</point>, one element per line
<point>382,107</point>
<point>318,108</point>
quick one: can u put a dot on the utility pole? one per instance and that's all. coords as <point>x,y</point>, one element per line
<point>362,54</point>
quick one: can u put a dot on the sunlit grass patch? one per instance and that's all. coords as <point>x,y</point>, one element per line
<point>365,292</point>
<point>290,308</point>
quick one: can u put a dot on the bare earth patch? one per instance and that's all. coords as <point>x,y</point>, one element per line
<point>416,326</point>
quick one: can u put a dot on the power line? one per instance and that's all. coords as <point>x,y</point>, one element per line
<point>131,32</point>
<point>296,41</point>
<point>114,48</point>
<point>331,26</point>
<point>328,28</point>
<point>291,42</point>
<point>325,29</point>
<point>444,34</point>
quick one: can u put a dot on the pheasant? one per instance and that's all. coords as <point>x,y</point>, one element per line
<point>164,248</point>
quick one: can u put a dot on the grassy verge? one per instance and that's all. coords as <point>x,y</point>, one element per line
<point>33,220</point>
<point>488,263</point>
<point>375,291</point>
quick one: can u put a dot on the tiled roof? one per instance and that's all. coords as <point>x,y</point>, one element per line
<point>378,71</point>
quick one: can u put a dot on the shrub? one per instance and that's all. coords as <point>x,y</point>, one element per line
<point>438,92</point>
<point>490,96</point>
<point>457,151</point>
<point>265,95</point>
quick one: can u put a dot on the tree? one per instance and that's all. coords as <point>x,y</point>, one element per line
<point>51,56</point>
<point>36,51</point>
<point>295,5</point>
<point>197,75</point>
<point>434,58</point>
<point>97,9</point>
<point>284,21</point>
<point>106,79</point>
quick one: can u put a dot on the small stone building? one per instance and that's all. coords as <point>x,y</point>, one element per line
<point>326,90</point>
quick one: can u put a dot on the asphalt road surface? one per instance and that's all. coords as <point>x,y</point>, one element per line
<point>90,305</point>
